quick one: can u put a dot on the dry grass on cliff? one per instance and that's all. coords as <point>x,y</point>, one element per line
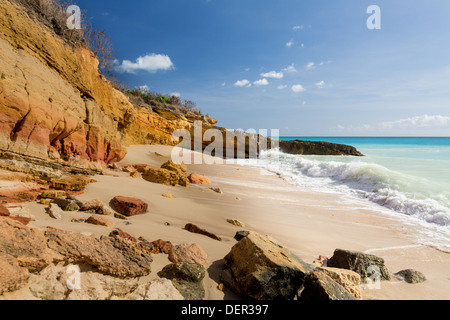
<point>53,14</point>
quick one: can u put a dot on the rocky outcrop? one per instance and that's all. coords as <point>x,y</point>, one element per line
<point>366,265</point>
<point>59,114</point>
<point>259,267</point>
<point>164,176</point>
<point>318,148</point>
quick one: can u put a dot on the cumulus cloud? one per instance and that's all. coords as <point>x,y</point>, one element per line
<point>242,83</point>
<point>143,88</point>
<point>418,122</point>
<point>290,68</point>
<point>320,84</point>
<point>273,74</point>
<point>261,82</point>
<point>290,43</point>
<point>297,88</point>
<point>150,63</point>
<point>310,65</point>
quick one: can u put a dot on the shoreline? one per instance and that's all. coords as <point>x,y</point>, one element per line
<point>308,223</point>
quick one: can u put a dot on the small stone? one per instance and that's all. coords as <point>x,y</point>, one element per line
<point>236,223</point>
<point>54,211</point>
<point>411,276</point>
<point>129,206</point>
<point>240,235</point>
<point>220,287</point>
<point>216,190</point>
<point>168,195</point>
<point>198,179</point>
<point>129,169</point>
<point>53,194</point>
<point>120,216</point>
<point>23,220</point>
<point>122,234</point>
<point>237,198</point>
<point>45,201</point>
<point>4,212</point>
<point>100,221</point>
<point>195,229</point>
<point>135,174</point>
<point>78,220</point>
<point>66,204</point>
<point>167,223</point>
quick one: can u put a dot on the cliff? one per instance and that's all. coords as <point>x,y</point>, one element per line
<point>58,110</point>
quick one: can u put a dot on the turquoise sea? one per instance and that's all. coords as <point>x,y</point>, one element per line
<point>407,177</point>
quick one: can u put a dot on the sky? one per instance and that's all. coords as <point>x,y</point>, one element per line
<point>305,67</point>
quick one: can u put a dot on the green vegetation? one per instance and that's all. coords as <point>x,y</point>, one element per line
<point>141,96</point>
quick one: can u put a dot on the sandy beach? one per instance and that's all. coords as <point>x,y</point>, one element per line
<point>308,223</point>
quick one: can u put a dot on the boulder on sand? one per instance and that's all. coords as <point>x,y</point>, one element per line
<point>196,178</point>
<point>129,206</point>
<point>258,267</point>
<point>362,263</point>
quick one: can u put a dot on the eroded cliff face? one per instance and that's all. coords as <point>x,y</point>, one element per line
<point>55,106</point>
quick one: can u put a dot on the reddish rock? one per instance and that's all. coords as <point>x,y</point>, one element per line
<point>100,221</point>
<point>4,212</point>
<point>188,253</point>
<point>194,229</point>
<point>21,192</point>
<point>198,179</point>
<point>157,246</point>
<point>23,220</point>
<point>122,234</point>
<point>129,206</point>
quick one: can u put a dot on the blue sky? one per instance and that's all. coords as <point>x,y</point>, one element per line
<point>306,67</point>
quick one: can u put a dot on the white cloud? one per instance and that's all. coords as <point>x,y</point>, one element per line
<point>261,82</point>
<point>320,84</point>
<point>298,88</point>
<point>224,84</point>
<point>290,68</point>
<point>304,102</point>
<point>290,43</point>
<point>143,88</point>
<point>425,121</point>
<point>310,65</point>
<point>175,94</point>
<point>242,83</point>
<point>282,86</point>
<point>150,63</point>
<point>247,69</point>
<point>298,28</point>
<point>302,45</point>
<point>273,74</point>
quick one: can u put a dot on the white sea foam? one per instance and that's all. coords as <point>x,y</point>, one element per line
<point>401,193</point>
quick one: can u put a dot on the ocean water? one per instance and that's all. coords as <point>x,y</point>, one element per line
<point>405,177</point>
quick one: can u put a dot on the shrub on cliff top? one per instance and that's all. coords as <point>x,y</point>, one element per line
<point>53,14</point>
